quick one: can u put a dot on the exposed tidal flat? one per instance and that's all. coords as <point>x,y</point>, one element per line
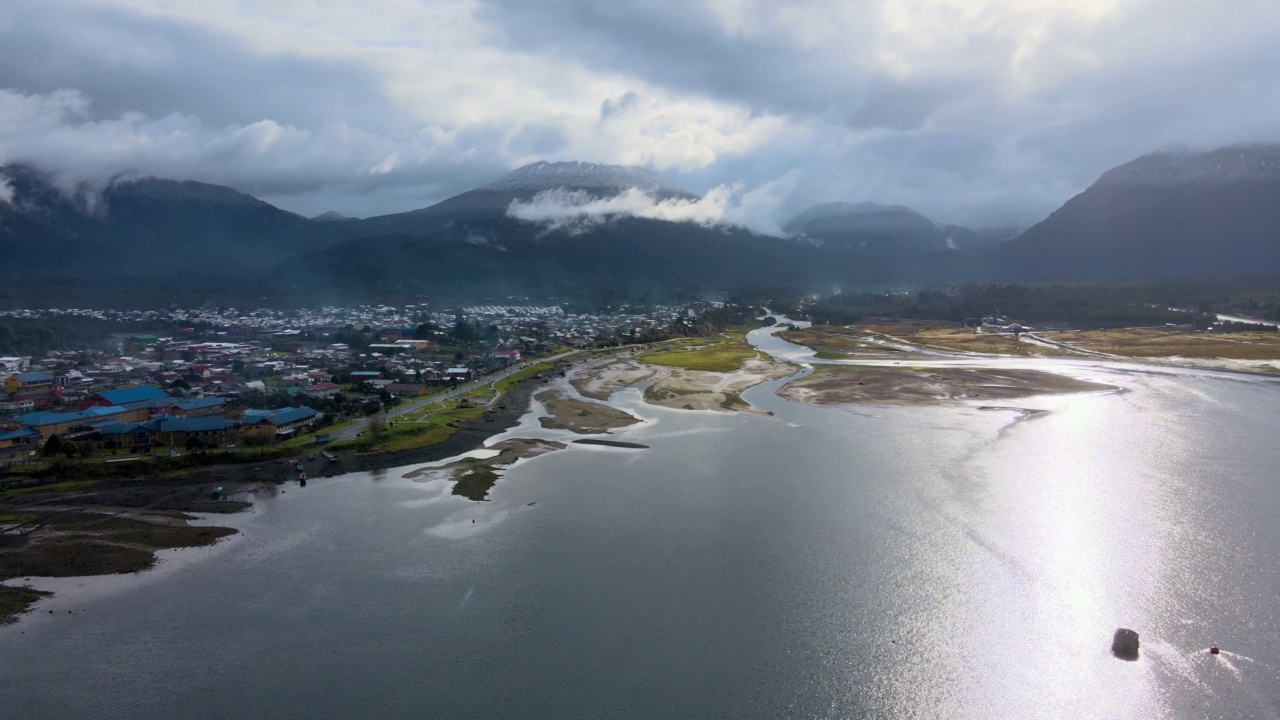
<point>848,560</point>
<point>879,385</point>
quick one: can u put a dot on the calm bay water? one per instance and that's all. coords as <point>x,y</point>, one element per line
<point>831,562</point>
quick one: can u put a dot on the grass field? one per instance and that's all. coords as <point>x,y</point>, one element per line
<point>434,422</point>
<point>18,519</point>
<point>723,354</point>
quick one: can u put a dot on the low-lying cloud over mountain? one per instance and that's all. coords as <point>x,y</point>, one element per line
<point>971,111</point>
<point>728,205</point>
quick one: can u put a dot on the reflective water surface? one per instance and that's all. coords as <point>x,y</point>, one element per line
<point>829,562</point>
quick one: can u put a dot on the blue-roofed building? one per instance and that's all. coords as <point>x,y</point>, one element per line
<point>286,420</point>
<point>16,441</point>
<point>29,391</point>
<point>128,435</point>
<point>215,430</point>
<point>49,424</point>
<point>27,381</point>
<point>128,397</point>
<point>198,407</point>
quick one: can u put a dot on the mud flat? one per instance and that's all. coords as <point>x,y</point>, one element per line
<point>682,388</point>
<point>933,386</point>
<point>74,542</point>
<point>581,416</point>
<point>611,443</point>
<point>474,477</point>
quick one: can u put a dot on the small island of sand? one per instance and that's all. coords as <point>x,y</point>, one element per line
<point>682,388</point>
<point>474,477</point>
<point>581,416</point>
<point>878,385</point>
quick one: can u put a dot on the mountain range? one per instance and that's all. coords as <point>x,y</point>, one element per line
<point>1164,213</point>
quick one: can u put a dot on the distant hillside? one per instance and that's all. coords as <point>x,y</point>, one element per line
<point>517,257</point>
<point>470,241</point>
<point>332,216</point>
<point>887,242</point>
<point>1171,213</point>
<point>523,184</point>
<point>1162,214</point>
<point>140,227</point>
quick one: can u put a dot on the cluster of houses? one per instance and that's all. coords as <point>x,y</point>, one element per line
<point>215,361</point>
<point>140,417</point>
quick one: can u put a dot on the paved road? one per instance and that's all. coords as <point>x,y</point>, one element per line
<point>349,433</point>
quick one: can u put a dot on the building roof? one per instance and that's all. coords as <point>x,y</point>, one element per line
<point>198,403</point>
<point>132,394</point>
<point>292,415</point>
<point>34,377</point>
<point>124,429</point>
<point>40,419</point>
<point>20,434</point>
<point>213,423</point>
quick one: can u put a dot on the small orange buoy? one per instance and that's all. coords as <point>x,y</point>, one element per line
<point>1214,650</point>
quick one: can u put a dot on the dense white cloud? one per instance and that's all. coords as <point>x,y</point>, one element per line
<point>969,110</point>
<point>575,210</point>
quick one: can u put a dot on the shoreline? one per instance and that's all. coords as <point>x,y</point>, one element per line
<point>118,525</point>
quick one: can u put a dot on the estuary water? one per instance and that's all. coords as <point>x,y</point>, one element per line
<point>821,562</point>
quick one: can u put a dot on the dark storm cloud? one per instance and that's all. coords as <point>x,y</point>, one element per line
<point>974,111</point>
<point>1018,111</point>
<point>681,46</point>
<point>130,62</point>
<point>105,91</point>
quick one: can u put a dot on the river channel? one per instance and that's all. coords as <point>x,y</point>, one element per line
<point>820,562</point>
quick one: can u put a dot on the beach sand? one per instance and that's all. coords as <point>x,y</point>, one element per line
<point>680,388</point>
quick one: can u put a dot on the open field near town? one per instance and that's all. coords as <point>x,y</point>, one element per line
<point>724,354</point>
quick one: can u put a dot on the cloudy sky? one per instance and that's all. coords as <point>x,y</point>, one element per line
<point>974,111</point>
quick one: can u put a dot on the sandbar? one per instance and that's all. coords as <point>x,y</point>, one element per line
<point>474,477</point>
<point>873,385</point>
<point>581,416</point>
<point>611,443</point>
<point>681,388</point>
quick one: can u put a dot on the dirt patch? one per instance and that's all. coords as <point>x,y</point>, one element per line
<point>581,416</point>
<point>934,386</point>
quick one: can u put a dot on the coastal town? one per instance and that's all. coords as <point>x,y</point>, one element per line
<point>224,379</point>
